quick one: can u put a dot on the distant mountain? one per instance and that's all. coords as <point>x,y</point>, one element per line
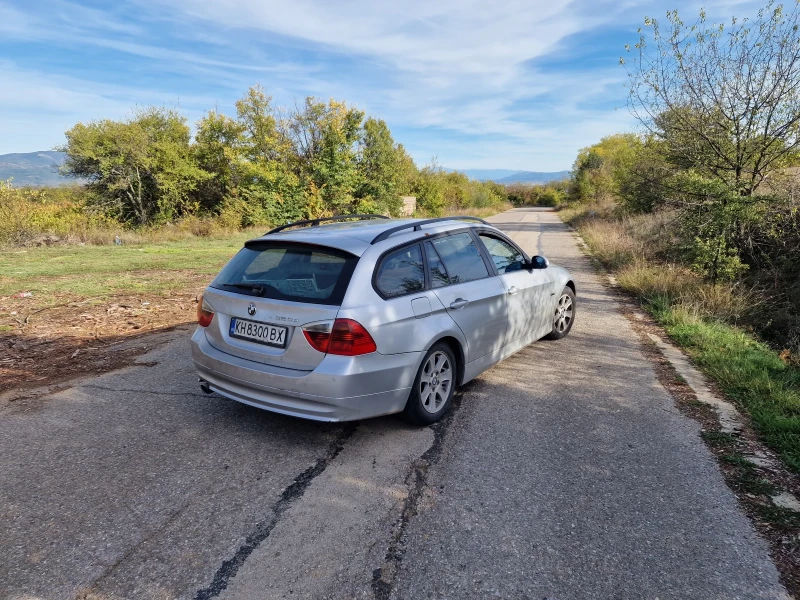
<point>39,169</point>
<point>485,174</point>
<point>507,176</point>
<point>533,177</point>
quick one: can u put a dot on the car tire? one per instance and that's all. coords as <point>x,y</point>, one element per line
<point>564,315</point>
<point>434,386</point>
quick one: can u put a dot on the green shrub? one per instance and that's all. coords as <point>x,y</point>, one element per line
<point>552,194</point>
<point>28,215</point>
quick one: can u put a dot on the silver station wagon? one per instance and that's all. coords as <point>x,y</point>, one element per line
<point>368,316</point>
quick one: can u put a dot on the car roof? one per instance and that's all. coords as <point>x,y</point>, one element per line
<point>356,236</point>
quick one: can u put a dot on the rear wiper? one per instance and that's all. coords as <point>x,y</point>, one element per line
<point>258,289</point>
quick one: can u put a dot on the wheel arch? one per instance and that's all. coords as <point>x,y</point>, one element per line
<point>571,285</point>
<point>458,351</point>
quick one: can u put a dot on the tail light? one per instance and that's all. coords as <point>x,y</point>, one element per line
<point>318,335</point>
<point>345,338</point>
<point>349,338</point>
<point>205,312</point>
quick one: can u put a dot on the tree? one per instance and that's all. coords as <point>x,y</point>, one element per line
<point>722,106</point>
<point>140,170</point>
<point>324,138</point>
<point>265,143</point>
<point>271,192</point>
<point>219,150</point>
<point>385,167</point>
<point>602,169</point>
<point>725,100</point>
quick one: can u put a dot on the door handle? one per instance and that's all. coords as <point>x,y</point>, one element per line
<point>458,303</point>
<point>512,290</point>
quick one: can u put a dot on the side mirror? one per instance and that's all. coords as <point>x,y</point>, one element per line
<point>539,262</point>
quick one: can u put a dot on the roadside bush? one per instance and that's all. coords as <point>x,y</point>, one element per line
<point>45,216</point>
<point>601,169</point>
<point>551,197</point>
<point>552,194</point>
<point>440,192</point>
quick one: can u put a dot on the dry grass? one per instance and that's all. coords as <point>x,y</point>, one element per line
<point>577,213</point>
<point>612,243</point>
<point>182,230</point>
<point>687,291</point>
<point>58,216</point>
<point>649,281</point>
<point>641,250</point>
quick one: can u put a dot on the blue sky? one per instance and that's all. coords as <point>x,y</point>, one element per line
<point>502,84</point>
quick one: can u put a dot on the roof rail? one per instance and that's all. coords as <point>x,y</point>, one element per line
<point>315,222</point>
<point>417,225</point>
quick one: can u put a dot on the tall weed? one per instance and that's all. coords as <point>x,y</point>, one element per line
<point>29,216</point>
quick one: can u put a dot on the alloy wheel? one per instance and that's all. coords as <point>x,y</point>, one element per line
<point>563,313</point>
<point>435,382</point>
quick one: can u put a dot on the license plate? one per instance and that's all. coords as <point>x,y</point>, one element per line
<point>262,333</point>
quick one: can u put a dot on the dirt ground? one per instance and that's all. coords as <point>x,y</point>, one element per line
<point>44,345</point>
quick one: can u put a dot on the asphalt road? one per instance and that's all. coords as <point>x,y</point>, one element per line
<point>563,473</point>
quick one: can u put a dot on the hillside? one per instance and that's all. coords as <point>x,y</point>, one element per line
<point>507,176</point>
<point>533,177</point>
<point>32,168</point>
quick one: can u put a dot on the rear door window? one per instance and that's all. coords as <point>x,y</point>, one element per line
<point>295,272</point>
<point>436,270</point>
<point>461,257</point>
<point>401,272</point>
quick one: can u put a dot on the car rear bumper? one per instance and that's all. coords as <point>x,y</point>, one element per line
<point>340,388</point>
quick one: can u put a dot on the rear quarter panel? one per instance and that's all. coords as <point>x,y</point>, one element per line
<point>392,323</point>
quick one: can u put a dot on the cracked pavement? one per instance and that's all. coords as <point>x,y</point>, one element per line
<point>564,472</point>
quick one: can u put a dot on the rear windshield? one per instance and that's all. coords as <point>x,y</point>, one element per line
<point>287,271</point>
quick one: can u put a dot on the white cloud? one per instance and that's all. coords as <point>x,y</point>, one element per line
<point>438,71</point>
<point>456,65</point>
<point>471,36</point>
<point>37,108</point>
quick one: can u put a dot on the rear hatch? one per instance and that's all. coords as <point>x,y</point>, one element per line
<point>268,291</point>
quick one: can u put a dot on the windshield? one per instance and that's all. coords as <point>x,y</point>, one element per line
<point>289,271</point>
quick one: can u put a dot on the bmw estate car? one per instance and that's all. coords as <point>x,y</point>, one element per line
<point>359,316</point>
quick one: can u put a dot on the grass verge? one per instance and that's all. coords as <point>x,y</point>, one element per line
<point>746,370</point>
<point>53,272</point>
